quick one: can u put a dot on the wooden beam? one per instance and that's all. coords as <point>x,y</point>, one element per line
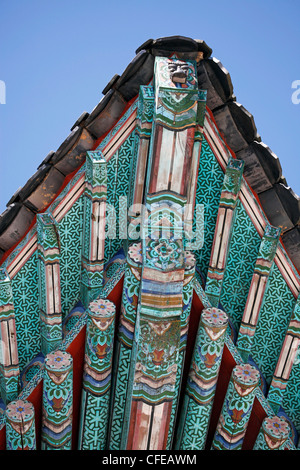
<point>93,227</point>
<point>202,381</point>
<point>257,290</point>
<point>288,355</point>
<point>9,360</point>
<point>162,320</point>
<point>223,231</point>
<point>95,399</point>
<point>49,282</point>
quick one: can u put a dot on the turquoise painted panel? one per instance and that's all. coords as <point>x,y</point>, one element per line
<point>26,301</point>
<point>95,420</point>
<point>291,395</point>
<point>70,233</point>
<point>208,192</point>
<point>241,260</point>
<point>112,171</point>
<point>118,179</point>
<point>272,324</point>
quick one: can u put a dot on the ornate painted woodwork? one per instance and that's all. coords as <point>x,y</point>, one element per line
<point>203,376</point>
<point>125,350</point>
<point>139,162</point>
<point>223,230</point>
<point>49,282</point>
<point>56,430</point>
<point>257,290</point>
<point>273,434</point>
<point>94,226</point>
<point>152,290</point>
<point>159,356</point>
<point>95,400</point>
<point>9,360</point>
<point>237,408</point>
<point>20,426</point>
<point>288,356</point>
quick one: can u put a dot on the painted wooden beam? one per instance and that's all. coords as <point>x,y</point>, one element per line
<point>20,426</point>
<point>57,406</point>
<point>9,361</point>
<point>93,227</point>
<point>273,434</point>
<point>187,295</point>
<point>223,231</point>
<point>289,353</point>
<point>158,334</point>
<point>95,400</point>
<point>237,408</point>
<point>193,174</point>
<point>142,144</point>
<point>176,114</point>
<point>161,322</point>
<point>257,290</point>
<point>125,350</point>
<point>49,282</point>
<point>202,381</point>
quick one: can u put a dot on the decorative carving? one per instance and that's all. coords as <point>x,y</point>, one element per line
<point>178,71</point>
<point>20,426</point>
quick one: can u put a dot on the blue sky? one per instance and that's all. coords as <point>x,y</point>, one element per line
<point>57,56</point>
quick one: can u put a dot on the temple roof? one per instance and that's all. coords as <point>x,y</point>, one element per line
<point>118,323</point>
<point>262,168</point>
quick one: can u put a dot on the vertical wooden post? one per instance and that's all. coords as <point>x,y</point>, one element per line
<point>125,349</point>
<point>273,434</point>
<point>288,355</point>
<point>49,282</point>
<point>20,426</point>
<point>93,227</point>
<point>223,231</point>
<point>257,290</point>
<point>95,403</point>
<point>161,316</point>
<point>9,361</point>
<point>57,401</point>
<point>142,145</point>
<point>237,408</point>
<point>187,295</point>
<point>202,381</point>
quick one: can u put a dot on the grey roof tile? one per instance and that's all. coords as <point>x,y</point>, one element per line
<point>185,48</point>
<point>44,193</point>
<point>213,77</point>
<point>236,124</point>
<point>15,197</point>
<point>111,83</point>
<point>47,159</point>
<point>73,154</point>
<point>80,120</point>
<point>106,113</point>
<point>175,43</point>
<point>139,72</point>
<point>14,223</point>
<point>291,241</point>
<point>262,167</point>
<point>34,181</point>
<point>281,206</point>
<point>145,46</point>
